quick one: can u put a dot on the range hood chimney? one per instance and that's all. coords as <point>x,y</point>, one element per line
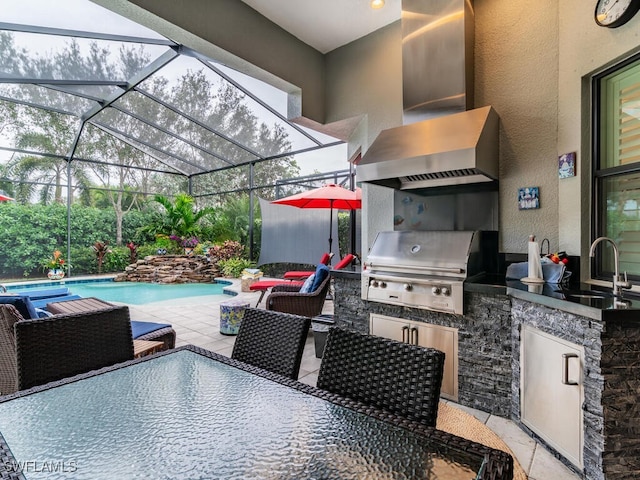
<point>441,143</point>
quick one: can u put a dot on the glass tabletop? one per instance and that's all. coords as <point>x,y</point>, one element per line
<point>184,415</point>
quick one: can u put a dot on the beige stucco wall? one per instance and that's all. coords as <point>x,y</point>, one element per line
<point>585,49</point>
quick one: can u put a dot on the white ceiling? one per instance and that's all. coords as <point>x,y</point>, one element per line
<point>327,24</point>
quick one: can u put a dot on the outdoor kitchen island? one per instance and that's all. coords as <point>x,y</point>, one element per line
<point>599,342</point>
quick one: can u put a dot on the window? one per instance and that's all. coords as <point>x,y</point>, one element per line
<point>616,167</point>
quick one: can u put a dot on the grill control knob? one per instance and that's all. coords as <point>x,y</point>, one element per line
<point>374,283</point>
<point>408,287</point>
<point>383,285</point>
<point>445,291</point>
<point>435,290</point>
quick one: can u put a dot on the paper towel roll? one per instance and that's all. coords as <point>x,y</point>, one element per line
<point>534,264</point>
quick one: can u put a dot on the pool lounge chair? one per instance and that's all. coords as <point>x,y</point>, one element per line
<point>69,304</point>
<point>159,332</point>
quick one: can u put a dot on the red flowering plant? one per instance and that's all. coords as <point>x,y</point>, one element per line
<point>133,252</point>
<point>101,249</point>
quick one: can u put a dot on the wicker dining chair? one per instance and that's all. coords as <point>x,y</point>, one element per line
<point>273,341</point>
<point>38,351</point>
<point>394,376</point>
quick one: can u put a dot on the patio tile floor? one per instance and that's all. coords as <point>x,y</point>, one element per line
<point>197,322</point>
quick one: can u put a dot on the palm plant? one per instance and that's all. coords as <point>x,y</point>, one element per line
<point>181,218</point>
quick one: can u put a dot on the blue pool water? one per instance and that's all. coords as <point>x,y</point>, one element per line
<point>133,293</point>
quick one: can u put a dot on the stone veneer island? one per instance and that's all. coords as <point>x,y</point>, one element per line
<point>489,343</point>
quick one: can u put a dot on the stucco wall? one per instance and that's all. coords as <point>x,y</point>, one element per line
<point>516,58</point>
<point>585,49</point>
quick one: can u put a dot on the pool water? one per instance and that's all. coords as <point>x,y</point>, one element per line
<point>136,293</point>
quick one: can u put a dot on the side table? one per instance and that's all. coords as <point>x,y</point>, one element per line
<point>142,348</point>
<point>231,313</point>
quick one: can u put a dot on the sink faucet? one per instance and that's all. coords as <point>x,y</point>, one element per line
<point>618,281</point>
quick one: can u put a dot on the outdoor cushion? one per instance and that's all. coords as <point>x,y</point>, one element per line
<point>344,262</point>
<point>326,258</point>
<point>36,294</point>
<point>142,328</point>
<point>322,272</point>
<point>308,284</point>
<point>22,303</point>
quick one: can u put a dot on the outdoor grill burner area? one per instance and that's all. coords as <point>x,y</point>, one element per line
<point>427,269</point>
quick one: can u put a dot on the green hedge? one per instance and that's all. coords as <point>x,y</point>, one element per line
<point>30,233</point>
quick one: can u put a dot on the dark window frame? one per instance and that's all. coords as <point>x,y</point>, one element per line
<point>599,175</point>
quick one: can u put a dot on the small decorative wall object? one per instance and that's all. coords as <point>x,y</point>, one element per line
<point>528,198</point>
<point>567,165</point>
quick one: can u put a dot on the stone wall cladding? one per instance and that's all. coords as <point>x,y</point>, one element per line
<point>489,367</point>
<point>620,364</point>
<point>484,340</point>
<point>170,269</point>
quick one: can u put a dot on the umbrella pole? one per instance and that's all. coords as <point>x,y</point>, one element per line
<point>330,225</point>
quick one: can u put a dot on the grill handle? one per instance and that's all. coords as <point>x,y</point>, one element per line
<point>417,268</point>
<point>405,334</point>
<point>414,336</point>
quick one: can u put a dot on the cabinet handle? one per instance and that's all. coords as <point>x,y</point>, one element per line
<point>414,340</point>
<point>405,332</point>
<point>565,368</point>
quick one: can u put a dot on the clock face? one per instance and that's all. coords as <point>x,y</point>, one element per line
<point>613,13</point>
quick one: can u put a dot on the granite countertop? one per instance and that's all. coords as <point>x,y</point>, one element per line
<point>580,298</point>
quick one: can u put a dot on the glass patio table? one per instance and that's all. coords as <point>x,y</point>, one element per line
<point>192,414</point>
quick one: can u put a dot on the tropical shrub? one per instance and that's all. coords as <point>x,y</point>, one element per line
<point>229,249</point>
<point>233,267</point>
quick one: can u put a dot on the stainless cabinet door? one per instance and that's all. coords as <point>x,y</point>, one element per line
<point>552,391</point>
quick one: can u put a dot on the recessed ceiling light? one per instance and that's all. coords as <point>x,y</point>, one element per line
<point>377,4</point>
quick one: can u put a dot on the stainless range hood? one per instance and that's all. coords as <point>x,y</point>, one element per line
<point>442,143</point>
<point>456,149</point>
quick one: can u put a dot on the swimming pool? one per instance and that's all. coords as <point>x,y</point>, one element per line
<point>133,293</point>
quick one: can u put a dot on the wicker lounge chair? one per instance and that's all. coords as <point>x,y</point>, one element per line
<point>272,341</point>
<point>159,332</point>
<point>288,299</point>
<point>394,376</point>
<point>34,352</point>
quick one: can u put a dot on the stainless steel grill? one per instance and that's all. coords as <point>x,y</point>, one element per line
<point>426,269</point>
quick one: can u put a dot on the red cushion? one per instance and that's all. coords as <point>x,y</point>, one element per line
<point>298,274</point>
<point>344,262</point>
<point>266,284</point>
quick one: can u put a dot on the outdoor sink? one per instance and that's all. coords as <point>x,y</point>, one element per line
<point>585,293</point>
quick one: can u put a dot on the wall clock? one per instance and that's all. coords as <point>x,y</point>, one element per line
<point>614,13</point>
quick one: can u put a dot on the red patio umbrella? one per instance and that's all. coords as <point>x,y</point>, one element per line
<point>329,196</point>
<point>4,198</point>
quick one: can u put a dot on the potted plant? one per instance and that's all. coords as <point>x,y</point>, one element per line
<point>189,244</point>
<point>56,265</point>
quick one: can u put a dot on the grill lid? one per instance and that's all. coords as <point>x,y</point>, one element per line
<point>444,253</point>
